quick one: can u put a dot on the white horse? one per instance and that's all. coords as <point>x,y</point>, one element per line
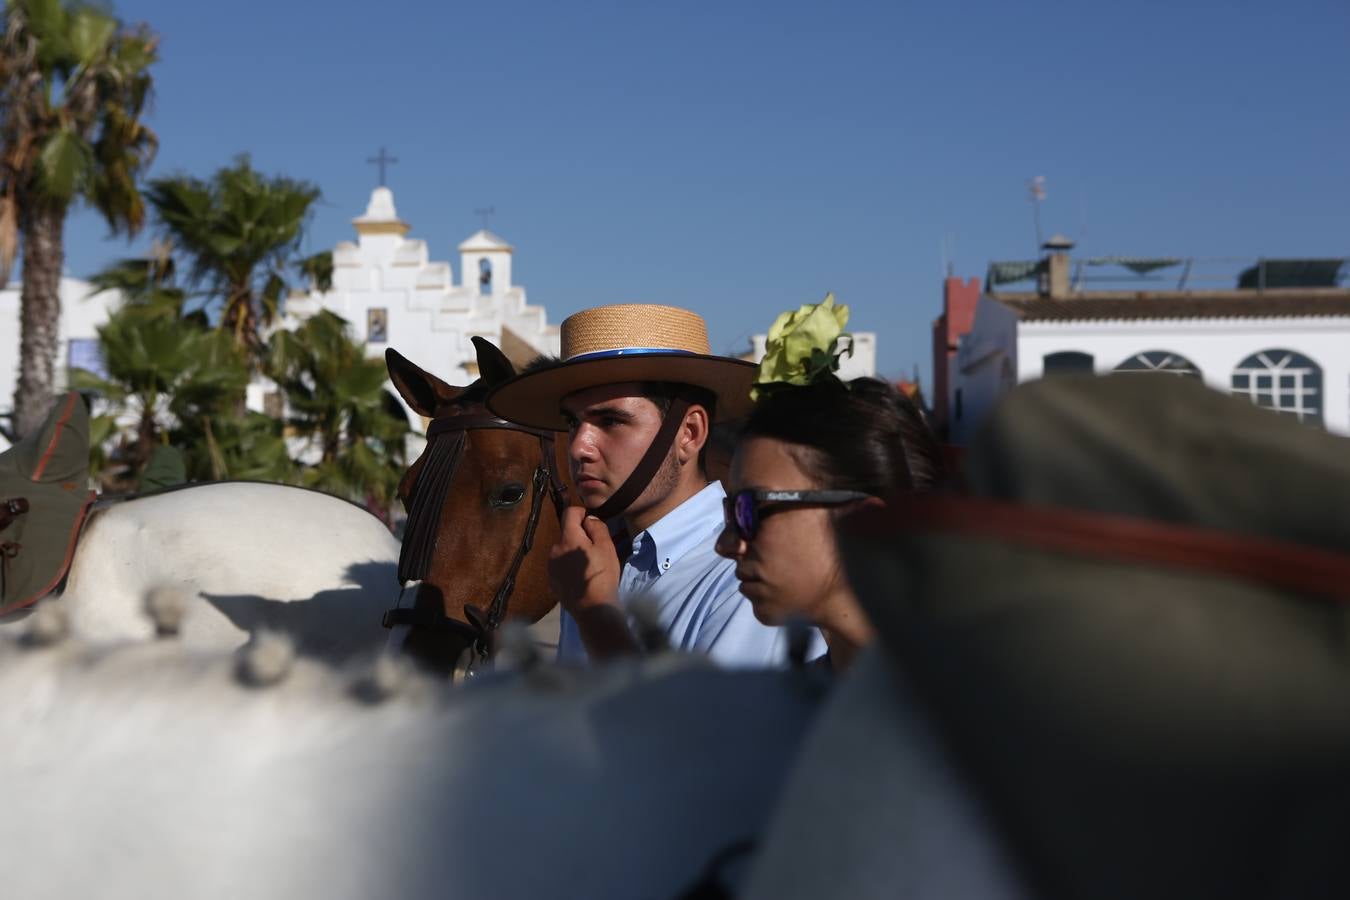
<point>149,770</point>
<point>216,562</point>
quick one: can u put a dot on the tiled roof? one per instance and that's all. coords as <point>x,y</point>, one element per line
<point>1101,306</point>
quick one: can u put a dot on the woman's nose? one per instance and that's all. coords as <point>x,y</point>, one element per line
<point>729,543</point>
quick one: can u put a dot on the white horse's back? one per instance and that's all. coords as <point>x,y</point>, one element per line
<point>147,771</point>
<point>235,557</point>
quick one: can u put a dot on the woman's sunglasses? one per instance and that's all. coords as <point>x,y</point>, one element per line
<point>746,509</point>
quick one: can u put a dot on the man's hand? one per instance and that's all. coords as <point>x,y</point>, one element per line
<point>583,568</point>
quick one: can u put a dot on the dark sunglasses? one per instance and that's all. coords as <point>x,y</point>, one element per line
<point>744,510</point>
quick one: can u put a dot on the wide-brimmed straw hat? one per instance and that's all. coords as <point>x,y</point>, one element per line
<point>621,343</point>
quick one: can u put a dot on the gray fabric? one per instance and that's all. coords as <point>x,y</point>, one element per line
<point>1139,265</point>
<point>1008,272</point>
<point>875,808</point>
<point>49,469</point>
<point>1176,451</point>
<point>1292,273</point>
<point>1138,731</point>
<point>164,470</point>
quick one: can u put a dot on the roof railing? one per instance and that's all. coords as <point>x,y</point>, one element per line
<point>1182,272</point>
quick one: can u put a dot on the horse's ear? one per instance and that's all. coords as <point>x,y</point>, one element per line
<point>493,366</point>
<point>423,391</point>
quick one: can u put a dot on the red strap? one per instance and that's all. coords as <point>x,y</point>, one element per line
<point>1296,567</point>
<point>69,407</point>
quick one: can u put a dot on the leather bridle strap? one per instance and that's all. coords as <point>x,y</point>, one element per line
<point>420,534</point>
<point>497,611</point>
<point>650,463</point>
<point>11,509</point>
<point>446,438</point>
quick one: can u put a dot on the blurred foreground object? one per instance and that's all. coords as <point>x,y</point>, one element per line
<point>1132,636</point>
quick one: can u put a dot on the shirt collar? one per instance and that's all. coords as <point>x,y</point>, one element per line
<point>686,526</point>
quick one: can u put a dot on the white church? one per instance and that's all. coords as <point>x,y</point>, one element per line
<point>393,294</point>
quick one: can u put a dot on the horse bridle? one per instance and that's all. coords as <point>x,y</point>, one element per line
<point>446,436</point>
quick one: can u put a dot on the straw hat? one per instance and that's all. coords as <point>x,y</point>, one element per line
<point>626,342</point>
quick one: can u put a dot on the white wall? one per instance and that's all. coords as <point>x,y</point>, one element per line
<point>985,366</point>
<point>81,314</point>
<point>1215,346</point>
<point>862,364</point>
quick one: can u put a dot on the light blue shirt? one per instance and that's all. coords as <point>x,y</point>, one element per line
<point>696,592</point>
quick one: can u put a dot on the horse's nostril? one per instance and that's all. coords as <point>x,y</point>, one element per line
<point>508,495</point>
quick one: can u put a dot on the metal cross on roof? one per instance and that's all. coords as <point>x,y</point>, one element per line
<point>486,212</point>
<point>382,161</point>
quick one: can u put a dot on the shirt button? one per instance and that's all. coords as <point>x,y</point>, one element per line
<point>666,564</point>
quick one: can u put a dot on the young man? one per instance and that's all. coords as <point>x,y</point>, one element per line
<point>637,389</point>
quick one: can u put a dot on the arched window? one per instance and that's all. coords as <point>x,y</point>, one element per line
<point>1067,362</point>
<point>484,277</point>
<point>1159,361</point>
<point>1282,380</point>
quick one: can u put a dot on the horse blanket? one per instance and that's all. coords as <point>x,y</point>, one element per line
<point>49,470</point>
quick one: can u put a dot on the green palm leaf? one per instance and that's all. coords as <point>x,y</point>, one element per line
<point>63,165</point>
<point>89,33</point>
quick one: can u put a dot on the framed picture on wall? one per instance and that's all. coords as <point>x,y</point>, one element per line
<point>377,325</point>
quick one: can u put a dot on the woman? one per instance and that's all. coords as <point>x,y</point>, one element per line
<point>808,453</point>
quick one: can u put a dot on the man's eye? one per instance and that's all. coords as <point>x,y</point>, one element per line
<point>610,422</point>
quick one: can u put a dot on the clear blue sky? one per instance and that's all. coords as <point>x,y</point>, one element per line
<point>741,158</point>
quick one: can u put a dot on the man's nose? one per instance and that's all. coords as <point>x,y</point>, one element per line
<point>581,445</point>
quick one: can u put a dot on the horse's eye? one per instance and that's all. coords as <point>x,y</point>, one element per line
<point>508,495</point>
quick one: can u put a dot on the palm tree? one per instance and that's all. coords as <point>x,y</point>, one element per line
<point>241,230</point>
<point>74,83</point>
<point>172,379</point>
<point>354,428</point>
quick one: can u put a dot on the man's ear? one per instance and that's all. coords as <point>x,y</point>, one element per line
<point>694,433</point>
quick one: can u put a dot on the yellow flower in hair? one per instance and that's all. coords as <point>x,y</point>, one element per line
<point>804,346</point>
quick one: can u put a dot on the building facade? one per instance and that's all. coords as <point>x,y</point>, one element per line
<point>393,294</point>
<point>1283,342</point>
<point>82,312</point>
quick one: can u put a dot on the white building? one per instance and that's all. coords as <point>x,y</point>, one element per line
<point>1286,347</point>
<point>82,312</point>
<point>393,295</point>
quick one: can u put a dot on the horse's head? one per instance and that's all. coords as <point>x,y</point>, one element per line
<point>483,503</point>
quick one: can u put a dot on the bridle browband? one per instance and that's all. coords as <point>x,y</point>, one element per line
<point>446,436</point>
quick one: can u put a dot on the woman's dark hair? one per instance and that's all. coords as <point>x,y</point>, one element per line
<point>863,436</point>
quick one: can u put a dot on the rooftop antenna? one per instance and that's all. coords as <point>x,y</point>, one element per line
<point>1036,193</point>
<point>1082,215</point>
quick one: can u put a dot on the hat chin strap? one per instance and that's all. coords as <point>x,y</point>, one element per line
<point>650,463</point>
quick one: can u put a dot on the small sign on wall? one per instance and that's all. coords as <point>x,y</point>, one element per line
<point>377,325</point>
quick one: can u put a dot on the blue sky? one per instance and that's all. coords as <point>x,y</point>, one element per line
<point>742,158</point>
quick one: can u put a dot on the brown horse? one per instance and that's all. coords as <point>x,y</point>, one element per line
<point>483,502</point>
